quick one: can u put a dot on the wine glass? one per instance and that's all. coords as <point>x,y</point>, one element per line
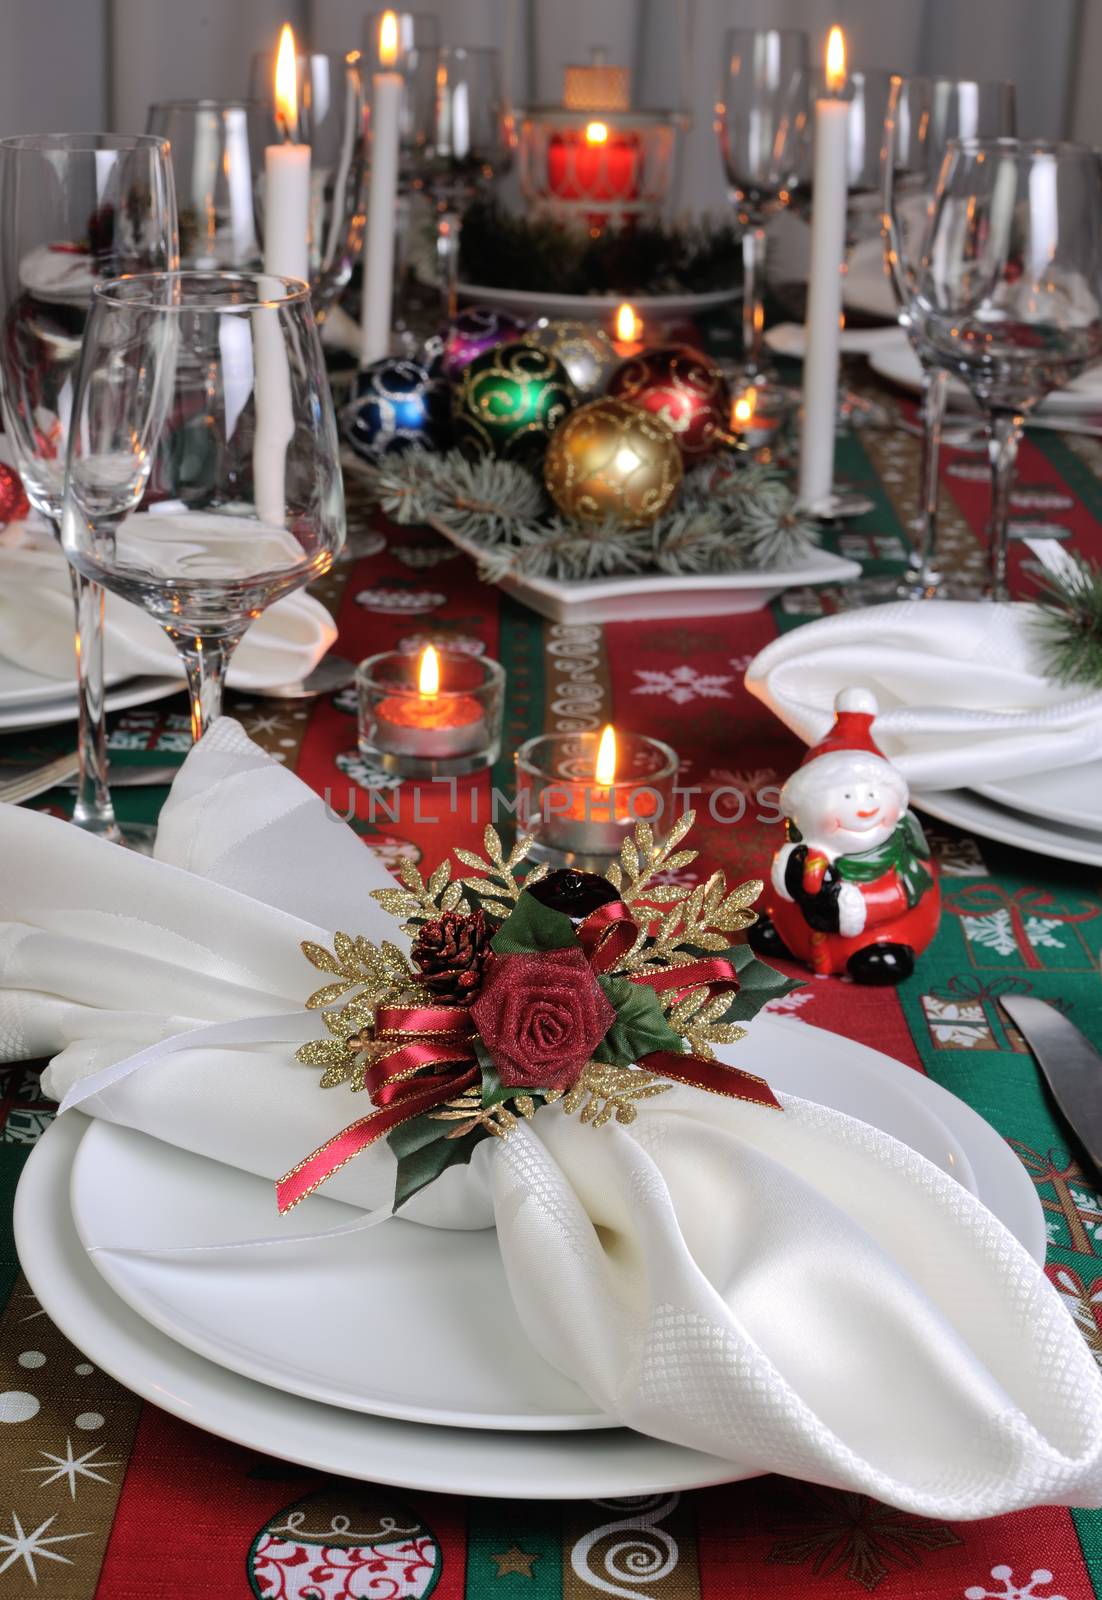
<point>923,114</point>
<point>77,208</point>
<point>762,124</point>
<point>203,476</point>
<point>217,150</point>
<point>1008,292</point>
<point>331,120</point>
<point>468,137</point>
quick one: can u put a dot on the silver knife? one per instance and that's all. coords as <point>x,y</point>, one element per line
<point>1072,1068</point>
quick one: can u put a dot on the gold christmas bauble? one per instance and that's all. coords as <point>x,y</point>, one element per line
<point>609,460</point>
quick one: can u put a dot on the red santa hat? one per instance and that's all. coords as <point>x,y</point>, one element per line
<point>846,753</point>
<point>854,714</point>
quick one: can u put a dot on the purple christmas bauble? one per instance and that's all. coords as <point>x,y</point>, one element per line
<point>474,331</point>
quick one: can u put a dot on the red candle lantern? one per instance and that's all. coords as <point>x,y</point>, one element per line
<point>594,158</point>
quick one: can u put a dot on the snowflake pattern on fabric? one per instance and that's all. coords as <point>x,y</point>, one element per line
<point>683,684</point>
<point>995,931</point>
<point>832,1531</point>
<point>1010,1590</point>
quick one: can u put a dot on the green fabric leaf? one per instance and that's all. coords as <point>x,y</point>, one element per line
<point>531,927</point>
<point>758,984</point>
<point>427,1155</point>
<point>640,1024</point>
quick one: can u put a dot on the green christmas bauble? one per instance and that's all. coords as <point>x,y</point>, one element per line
<point>509,401</point>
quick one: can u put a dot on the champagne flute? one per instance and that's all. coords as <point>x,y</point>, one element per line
<point>468,139</point>
<point>761,122</point>
<point>1008,293</point>
<point>923,115</point>
<point>77,208</point>
<point>203,478</point>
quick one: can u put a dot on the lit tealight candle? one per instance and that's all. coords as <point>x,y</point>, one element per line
<point>629,331</point>
<point>287,176</point>
<point>824,294</point>
<point>436,717</point>
<point>577,804</point>
<point>386,111</point>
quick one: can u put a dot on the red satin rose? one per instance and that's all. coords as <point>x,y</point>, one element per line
<point>541,1017</point>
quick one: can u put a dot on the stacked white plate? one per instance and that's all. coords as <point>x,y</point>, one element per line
<point>392,1355</point>
<point>29,700</point>
<point>1055,814</point>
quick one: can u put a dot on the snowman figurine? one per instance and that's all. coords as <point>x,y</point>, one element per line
<point>853,890</point>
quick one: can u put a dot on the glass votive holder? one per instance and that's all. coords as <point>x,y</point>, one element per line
<point>443,725</point>
<point>578,821</point>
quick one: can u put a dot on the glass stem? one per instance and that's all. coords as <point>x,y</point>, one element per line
<point>935,385</point>
<point>753,292</point>
<point>205,662</point>
<point>447,255</point>
<point>1002,452</point>
<point>92,809</point>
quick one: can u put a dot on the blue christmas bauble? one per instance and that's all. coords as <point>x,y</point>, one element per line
<point>398,406</point>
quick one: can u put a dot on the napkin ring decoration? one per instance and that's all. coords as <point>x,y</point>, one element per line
<point>592,992</point>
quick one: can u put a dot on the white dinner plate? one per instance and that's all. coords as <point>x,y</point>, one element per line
<point>508,1466</point>
<point>20,688</point>
<point>469,1367</point>
<point>654,596</point>
<point>49,713</point>
<point>1070,795</point>
<point>596,307</point>
<point>967,809</point>
<point>899,364</point>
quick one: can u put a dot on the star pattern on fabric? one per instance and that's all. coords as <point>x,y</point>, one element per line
<point>514,1560</point>
<point>71,1467</point>
<point>835,1531</point>
<point>32,1547</point>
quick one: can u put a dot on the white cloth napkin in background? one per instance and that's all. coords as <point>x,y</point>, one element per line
<point>793,1291</point>
<point>36,627</point>
<point>962,694</point>
<point>790,339</point>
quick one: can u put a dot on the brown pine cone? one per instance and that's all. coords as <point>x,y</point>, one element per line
<point>451,953</point>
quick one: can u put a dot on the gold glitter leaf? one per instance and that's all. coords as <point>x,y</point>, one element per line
<point>492,845</point>
<point>320,1053</point>
<point>614,874</point>
<point>327,996</point>
<point>663,894</point>
<point>452,897</point>
<point>397,901</point>
<point>318,956</point>
<point>603,1091</point>
<point>440,878</point>
<point>346,951</point>
<point>469,859</point>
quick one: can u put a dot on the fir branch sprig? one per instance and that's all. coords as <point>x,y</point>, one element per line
<point>738,521</point>
<point>1069,622</point>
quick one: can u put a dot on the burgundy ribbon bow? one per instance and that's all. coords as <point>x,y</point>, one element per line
<point>427,1055</point>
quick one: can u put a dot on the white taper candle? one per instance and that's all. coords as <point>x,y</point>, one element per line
<point>824,290</point>
<point>386,111</point>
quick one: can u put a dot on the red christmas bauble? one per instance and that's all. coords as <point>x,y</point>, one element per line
<point>683,387</point>
<point>13,502</point>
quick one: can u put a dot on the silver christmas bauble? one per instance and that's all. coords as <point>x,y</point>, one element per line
<point>585,350</point>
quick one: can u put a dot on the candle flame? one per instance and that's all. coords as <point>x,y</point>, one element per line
<point>836,60</point>
<point>744,406</point>
<point>286,82</point>
<point>605,770</point>
<point>596,133</point>
<point>627,323</point>
<point>388,39</point>
<point>428,678</point>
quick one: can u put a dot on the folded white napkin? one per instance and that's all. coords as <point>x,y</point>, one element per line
<point>36,627</point>
<point>794,1291</point>
<point>962,694</point>
<point>790,339</point>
